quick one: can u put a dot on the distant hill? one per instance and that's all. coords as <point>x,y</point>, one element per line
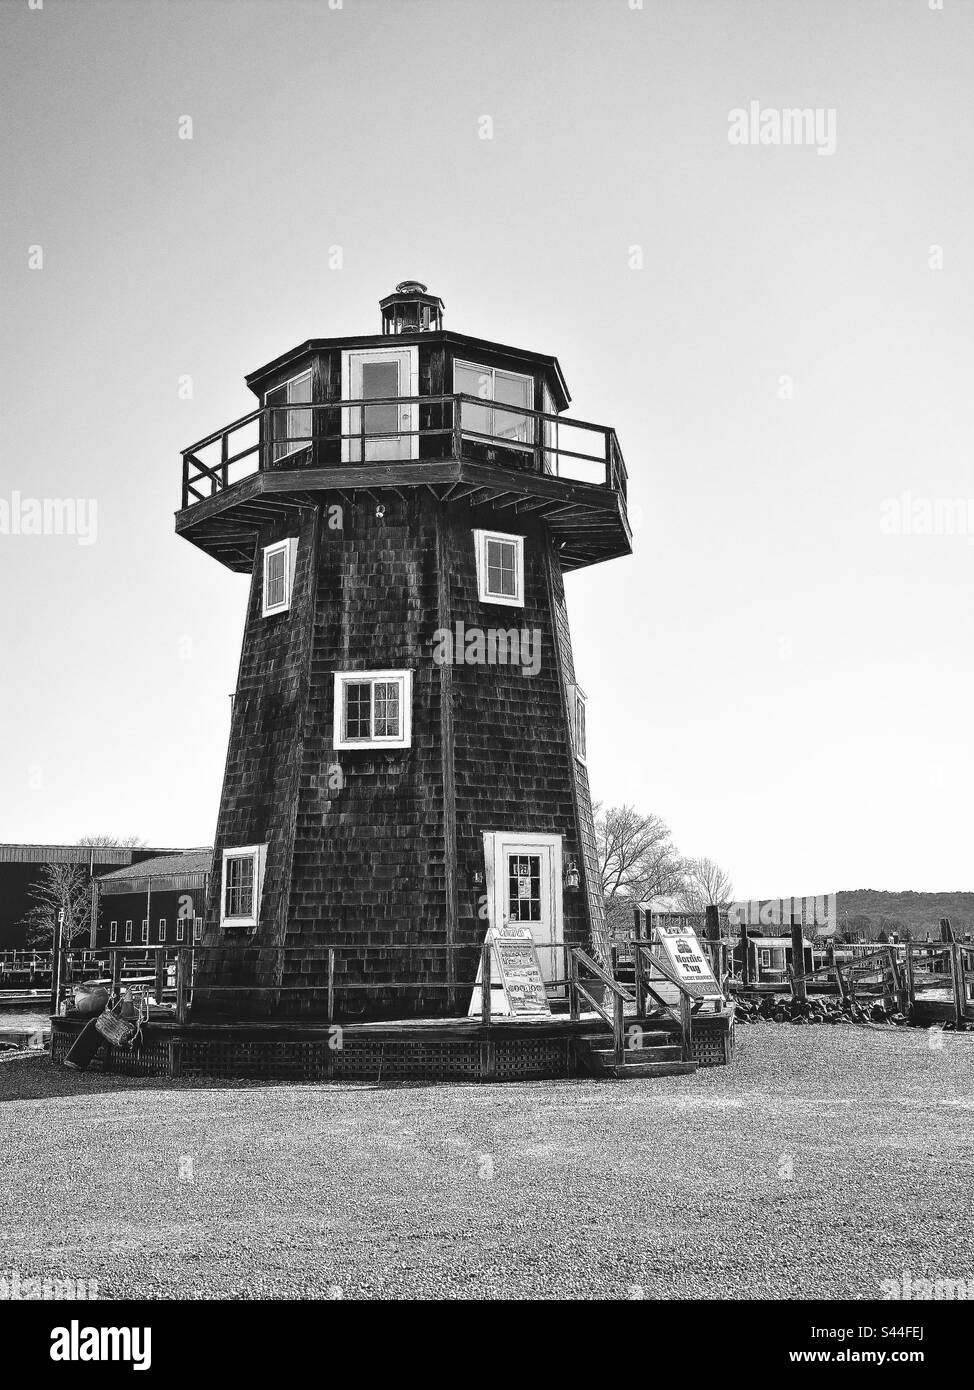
<point>917,912</point>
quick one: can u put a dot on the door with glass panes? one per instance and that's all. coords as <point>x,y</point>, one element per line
<point>385,430</point>
<point>524,888</point>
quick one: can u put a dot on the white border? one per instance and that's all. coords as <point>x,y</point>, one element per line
<point>290,547</point>
<point>480,542</point>
<point>495,843</point>
<point>404,739</point>
<point>259,855</point>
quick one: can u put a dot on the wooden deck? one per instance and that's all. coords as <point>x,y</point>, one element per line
<point>526,1048</point>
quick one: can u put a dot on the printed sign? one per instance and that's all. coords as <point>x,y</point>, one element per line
<point>515,975</point>
<point>524,887</point>
<point>683,952</point>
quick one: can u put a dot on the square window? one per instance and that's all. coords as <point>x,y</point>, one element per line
<point>372,709</point>
<point>280,561</point>
<point>500,568</point>
<point>243,871</point>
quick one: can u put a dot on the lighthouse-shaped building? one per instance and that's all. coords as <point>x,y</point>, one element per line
<point>407,758</point>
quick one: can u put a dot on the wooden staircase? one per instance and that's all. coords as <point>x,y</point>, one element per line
<point>659,1053</point>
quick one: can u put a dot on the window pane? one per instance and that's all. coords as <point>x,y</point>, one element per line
<point>380,379</point>
<point>299,421</point>
<point>386,709</point>
<point>513,390</point>
<point>474,381</point>
<point>358,709</point>
<point>275,579</point>
<point>524,888</point>
<point>239,886</point>
<point>502,568</point>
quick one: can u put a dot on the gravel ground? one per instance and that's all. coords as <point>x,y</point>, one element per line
<point>823,1161</point>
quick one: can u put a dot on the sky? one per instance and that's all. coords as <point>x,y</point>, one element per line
<point>781,335</point>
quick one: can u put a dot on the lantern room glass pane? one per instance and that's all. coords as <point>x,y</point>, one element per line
<point>513,390</point>
<point>290,429</point>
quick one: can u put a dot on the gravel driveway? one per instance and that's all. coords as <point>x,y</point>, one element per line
<point>823,1161</point>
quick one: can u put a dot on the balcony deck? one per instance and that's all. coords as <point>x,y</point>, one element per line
<point>568,472</point>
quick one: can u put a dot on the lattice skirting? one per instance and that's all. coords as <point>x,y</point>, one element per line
<point>712,1041</point>
<point>359,1058</point>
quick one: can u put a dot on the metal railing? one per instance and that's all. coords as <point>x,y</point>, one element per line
<point>325,434</point>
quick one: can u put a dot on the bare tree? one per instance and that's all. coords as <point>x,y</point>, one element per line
<point>705,883</point>
<point>66,888</point>
<point>637,861</point>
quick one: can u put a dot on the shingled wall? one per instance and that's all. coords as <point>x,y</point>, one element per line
<point>381,868</point>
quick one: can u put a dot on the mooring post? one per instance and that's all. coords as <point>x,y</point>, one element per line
<point>160,972</point>
<point>57,962</point>
<point>957,975</point>
<point>485,984</point>
<point>573,1007</point>
<point>798,958</point>
<point>745,954</point>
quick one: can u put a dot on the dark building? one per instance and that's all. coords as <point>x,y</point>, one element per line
<point>157,902</point>
<point>21,869</point>
<point>407,748</point>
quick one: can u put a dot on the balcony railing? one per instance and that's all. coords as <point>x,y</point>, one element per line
<point>347,433</point>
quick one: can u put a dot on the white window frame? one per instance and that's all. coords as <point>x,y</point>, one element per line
<point>197,928</point>
<point>578,703</point>
<point>480,542</point>
<point>289,548</point>
<point>302,405</point>
<point>490,403</point>
<point>162,928</point>
<point>128,932</point>
<point>258,853</point>
<point>180,929</point>
<point>113,933</point>
<point>404,738</point>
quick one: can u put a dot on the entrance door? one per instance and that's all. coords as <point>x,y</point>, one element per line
<point>524,890</point>
<point>380,432</point>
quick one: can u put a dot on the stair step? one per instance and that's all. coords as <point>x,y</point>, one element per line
<point>650,1038</point>
<point>629,1069</point>
<point>659,1053</point>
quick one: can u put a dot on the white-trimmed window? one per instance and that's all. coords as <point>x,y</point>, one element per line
<point>500,568</point>
<point>197,928</point>
<point>162,928</point>
<point>502,392</point>
<point>180,930</point>
<point>113,933</point>
<point>243,872</point>
<point>128,932</point>
<point>280,560</point>
<point>577,701</point>
<point>145,931</point>
<point>765,959</point>
<point>372,709</point>
<point>290,429</point>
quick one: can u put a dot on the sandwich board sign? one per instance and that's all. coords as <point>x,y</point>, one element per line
<point>683,952</point>
<point>516,986</point>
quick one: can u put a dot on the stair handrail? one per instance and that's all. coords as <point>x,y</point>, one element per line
<point>669,974</point>
<point>620,997</point>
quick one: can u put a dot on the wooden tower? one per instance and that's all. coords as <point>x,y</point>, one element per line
<point>407,747</point>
